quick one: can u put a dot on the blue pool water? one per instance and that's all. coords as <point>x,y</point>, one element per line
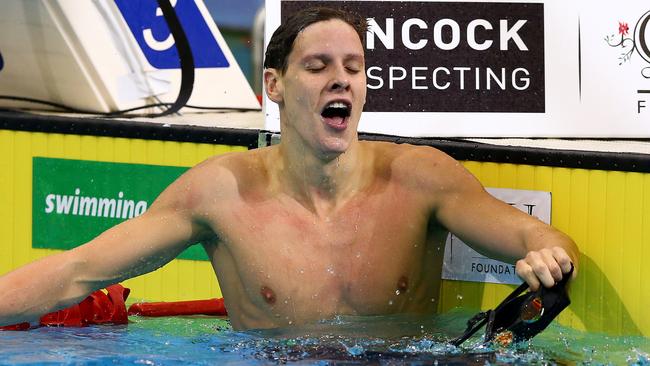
<point>341,341</point>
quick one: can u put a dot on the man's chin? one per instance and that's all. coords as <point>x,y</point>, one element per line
<point>333,148</point>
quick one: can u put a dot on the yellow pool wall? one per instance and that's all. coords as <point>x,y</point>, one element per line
<point>607,213</point>
<point>178,280</point>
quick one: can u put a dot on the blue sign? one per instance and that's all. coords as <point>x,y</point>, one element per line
<point>146,22</point>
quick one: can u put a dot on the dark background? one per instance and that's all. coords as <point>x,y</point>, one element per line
<point>404,99</point>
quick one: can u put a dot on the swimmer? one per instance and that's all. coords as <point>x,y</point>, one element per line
<point>319,225</point>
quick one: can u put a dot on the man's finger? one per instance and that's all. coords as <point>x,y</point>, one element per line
<point>540,268</point>
<point>552,264</point>
<point>543,274</point>
<point>526,273</point>
<point>537,261</point>
<point>563,259</point>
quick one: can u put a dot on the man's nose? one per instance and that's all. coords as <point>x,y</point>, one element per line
<point>340,81</point>
<point>340,84</point>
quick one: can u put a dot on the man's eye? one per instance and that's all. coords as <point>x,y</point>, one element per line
<point>315,68</point>
<point>353,69</point>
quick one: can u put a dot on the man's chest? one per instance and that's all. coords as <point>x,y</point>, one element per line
<point>377,223</point>
<point>356,260</point>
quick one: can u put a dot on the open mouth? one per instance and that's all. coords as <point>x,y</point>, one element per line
<point>336,114</point>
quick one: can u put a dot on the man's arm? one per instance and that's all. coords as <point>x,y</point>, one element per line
<point>496,229</point>
<point>132,248</point>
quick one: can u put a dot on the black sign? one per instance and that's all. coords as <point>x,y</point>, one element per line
<point>450,56</point>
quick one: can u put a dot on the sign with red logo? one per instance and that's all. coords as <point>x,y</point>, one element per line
<point>499,69</point>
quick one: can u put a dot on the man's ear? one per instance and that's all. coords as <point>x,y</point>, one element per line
<point>273,85</point>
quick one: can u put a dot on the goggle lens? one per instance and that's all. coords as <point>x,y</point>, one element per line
<point>532,310</point>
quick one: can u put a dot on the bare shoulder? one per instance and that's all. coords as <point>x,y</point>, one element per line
<point>217,179</point>
<point>426,172</point>
<point>227,168</point>
<point>420,166</point>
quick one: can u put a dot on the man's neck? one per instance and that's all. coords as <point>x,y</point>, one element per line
<point>320,183</point>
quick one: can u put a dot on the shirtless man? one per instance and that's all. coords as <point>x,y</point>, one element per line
<point>319,225</point>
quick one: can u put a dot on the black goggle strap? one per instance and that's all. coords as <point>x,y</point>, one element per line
<point>480,319</point>
<point>473,325</point>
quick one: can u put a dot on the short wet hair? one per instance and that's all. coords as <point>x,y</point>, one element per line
<point>282,41</point>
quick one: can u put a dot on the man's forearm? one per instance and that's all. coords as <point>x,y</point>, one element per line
<point>38,288</point>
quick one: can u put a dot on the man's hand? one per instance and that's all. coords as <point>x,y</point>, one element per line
<point>545,266</point>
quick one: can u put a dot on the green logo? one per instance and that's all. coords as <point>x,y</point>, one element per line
<point>76,200</point>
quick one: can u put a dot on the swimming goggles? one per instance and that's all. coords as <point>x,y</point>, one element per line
<point>520,316</point>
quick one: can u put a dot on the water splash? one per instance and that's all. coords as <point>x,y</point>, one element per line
<point>353,350</point>
<point>382,340</point>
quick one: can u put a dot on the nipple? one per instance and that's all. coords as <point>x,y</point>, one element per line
<point>402,285</point>
<point>268,295</point>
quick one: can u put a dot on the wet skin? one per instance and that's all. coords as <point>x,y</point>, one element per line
<point>278,263</point>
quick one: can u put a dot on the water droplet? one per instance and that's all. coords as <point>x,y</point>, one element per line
<point>301,271</point>
<point>459,297</point>
<point>355,350</point>
<point>397,292</point>
<point>390,302</point>
<point>358,255</point>
<point>330,269</point>
<point>433,299</point>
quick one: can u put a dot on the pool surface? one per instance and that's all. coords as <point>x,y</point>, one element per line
<point>395,340</point>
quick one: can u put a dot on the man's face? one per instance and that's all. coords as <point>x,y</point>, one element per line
<point>322,93</point>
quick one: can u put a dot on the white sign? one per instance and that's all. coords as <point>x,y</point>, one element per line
<point>464,264</point>
<point>109,55</point>
<point>500,69</point>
